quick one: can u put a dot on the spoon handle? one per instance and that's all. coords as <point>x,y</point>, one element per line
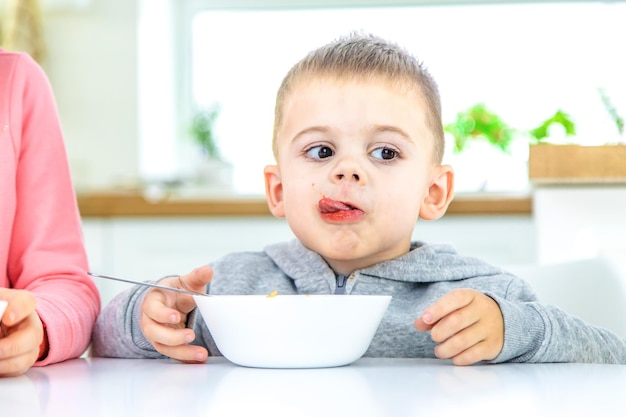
<point>147,284</point>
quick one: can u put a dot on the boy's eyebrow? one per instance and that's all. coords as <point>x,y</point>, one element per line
<point>312,129</point>
<point>375,128</point>
<point>392,129</point>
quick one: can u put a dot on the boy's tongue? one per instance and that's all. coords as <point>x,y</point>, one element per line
<point>327,205</point>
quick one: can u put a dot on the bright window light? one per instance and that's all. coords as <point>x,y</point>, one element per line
<point>524,61</point>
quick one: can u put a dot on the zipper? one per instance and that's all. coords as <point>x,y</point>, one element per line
<point>341,284</point>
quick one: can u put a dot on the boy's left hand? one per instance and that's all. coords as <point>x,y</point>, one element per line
<point>466,325</point>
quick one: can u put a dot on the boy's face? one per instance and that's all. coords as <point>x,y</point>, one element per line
<point>355,170</point>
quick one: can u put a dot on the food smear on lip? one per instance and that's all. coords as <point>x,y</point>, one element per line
<point>273,294</point>
<point>338,212</point>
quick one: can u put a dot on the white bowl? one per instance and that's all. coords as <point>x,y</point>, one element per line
<point>292,331</point>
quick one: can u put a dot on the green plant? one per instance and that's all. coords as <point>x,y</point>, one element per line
<point>608,105</point>
<point>561,118</point>
<point>478,122</point>
<point>202,130</point>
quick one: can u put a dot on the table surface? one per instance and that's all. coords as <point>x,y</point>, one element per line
<point>368,387</point>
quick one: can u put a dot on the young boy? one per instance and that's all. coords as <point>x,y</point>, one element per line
<point>358,142</point>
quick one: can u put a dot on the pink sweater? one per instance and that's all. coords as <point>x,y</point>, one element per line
<point>41,242</point>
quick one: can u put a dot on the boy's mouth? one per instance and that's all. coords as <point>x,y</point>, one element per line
<point>338,211</point>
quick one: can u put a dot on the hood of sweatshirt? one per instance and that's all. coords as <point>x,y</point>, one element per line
<point>424,263</point>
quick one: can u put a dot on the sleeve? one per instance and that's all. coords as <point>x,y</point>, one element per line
<point>47,255</point>
<point>536,332</point>
<point>117,332</point>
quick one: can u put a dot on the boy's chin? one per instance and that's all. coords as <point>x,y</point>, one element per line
<point>346,261</point>
<point>350,256</point>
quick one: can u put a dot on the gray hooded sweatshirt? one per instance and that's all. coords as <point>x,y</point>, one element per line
<point>533,332</point>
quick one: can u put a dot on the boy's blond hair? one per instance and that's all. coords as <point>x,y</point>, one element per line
<point>364,56</point>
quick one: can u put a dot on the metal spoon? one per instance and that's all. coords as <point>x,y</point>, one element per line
<point>147,284</point>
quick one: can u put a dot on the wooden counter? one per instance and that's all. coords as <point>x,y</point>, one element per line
<point>132,204</point>
<point>577,164</point>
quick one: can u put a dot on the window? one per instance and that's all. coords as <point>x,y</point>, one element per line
<point>524,61</point>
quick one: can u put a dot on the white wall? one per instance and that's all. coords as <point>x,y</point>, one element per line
<point>92,65</point>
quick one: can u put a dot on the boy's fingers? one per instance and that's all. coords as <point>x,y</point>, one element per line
<point>197,279</point>
<point>164,334</point>
<point>477,353</point>
<point>172,342</point>
<point>183,353</point>
<point>157,298</point>
<point>447,304</point>
<point>459,343</point>
<point>421,325</point>
<point>155,308</point>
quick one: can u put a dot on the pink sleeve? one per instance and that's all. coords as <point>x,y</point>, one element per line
<point>47,255</point>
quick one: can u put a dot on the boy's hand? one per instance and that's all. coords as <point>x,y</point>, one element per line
<point>21,332</point>
<point>467,326</point>
<point>164,317</point>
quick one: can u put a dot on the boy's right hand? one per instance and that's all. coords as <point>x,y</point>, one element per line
<point>164,317</point>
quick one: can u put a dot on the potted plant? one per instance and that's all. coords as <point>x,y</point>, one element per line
<point>480,123</point>
<point>202,130</point>
<point>479,134</point>
<point>572,163</point>
<point>212,169</point>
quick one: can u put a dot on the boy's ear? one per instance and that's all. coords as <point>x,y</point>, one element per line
<point>439,195</point>
<point>274,190</point>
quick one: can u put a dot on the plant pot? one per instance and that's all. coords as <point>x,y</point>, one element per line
<point>577,164</point>
<point>214,173</point>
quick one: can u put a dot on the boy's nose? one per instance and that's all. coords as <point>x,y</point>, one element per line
<point>348,169</point>
<point>355,176</point>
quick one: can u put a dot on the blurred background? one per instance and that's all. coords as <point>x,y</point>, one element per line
<point>131,75</point>
<point>175,98</point>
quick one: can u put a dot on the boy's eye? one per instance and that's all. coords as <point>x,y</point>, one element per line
<point>320,152</point>
<point>384,154</point>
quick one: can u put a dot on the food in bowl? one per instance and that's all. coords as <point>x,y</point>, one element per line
<point>292,331</point>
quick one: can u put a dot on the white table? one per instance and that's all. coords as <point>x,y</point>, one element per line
<point>369,387</point>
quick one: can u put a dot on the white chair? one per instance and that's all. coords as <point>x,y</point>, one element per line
<point>593,289</point>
